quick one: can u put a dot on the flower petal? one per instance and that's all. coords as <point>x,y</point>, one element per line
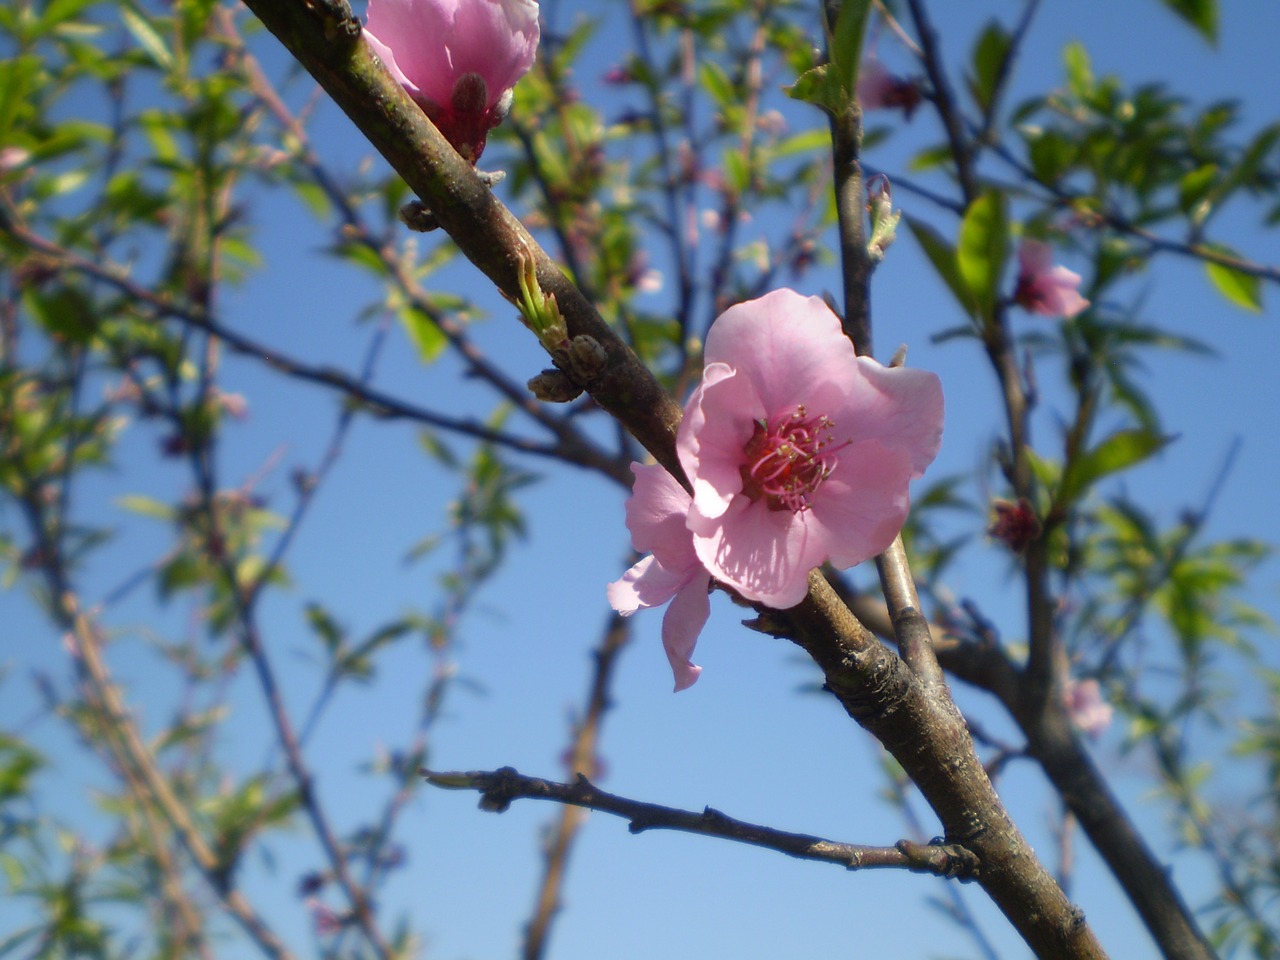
<point>681,625</point>
<point>656,514</point>
<point>647,584</point>
<point>863,504</point>
<point>713,457</point>
<point>1034,257</point>
<point>497,39</point>
<point>899,406</point>
<point>417,29</point>
<point>428,44</point>
<point>764,554</point>
<point>787,345</point>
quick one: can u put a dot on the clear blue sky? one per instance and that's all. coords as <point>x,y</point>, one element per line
<point>743,739</point>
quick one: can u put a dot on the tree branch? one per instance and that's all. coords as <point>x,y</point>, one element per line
<point>498,788</point>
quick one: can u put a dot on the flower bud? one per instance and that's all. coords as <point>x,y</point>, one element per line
<point>458,59</point>
<point>553,386</point>
<point>586,358</point>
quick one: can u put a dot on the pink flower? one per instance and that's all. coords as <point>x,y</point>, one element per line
<point>878,89</point>
<point>326,921</point>
<point>458,59</point>
<point>1088,712</point>
<point>799,451</point>
<point>672,572</point>
<point>1043,288</point>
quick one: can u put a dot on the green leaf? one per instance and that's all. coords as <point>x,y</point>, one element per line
<point>990,54</point>
<point>324,627</point>
<point>846,44</point>
<point>1249,167</point>
<point>1079,70</point>
<point>1195,186</point>
<point>146,507</point>
<point>817,87</point>
<point>943,257</point>
<point>1242,289</point>
<point>64,311</point>
<point>801,143</point>
<point>1051,154</point>
<point>147,36</point>
<point>1201,14</point>
<point>717,83</point>
<point>983,249</point>
<point>422,330</point>
<point>1120,451</point>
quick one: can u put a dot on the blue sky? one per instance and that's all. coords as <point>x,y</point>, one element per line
<point>743,739</point>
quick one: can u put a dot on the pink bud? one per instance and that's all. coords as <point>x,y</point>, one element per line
<point>458,59</point>
<point>1043,287</point>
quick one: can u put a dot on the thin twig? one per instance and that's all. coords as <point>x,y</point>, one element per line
<point>498,788</point>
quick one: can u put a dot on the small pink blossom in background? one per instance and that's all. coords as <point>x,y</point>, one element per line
<point>458,59</point>
<point>1044,288</point>
<point>1089,713</point>
<point>232,404</point>
<point>799,451</point>
<point>13,157</point>
<point>878,89</point>
<point>772,122</point>
<point>671,573</point>
<point>617,76</point>
<point>642,276</point>
<point>1014,524</point>
<point>324,919</point>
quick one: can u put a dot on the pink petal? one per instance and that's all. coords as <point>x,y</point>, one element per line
<point>1062,292</point>
<point>899,406</point>
<point>681,625</point>
<point>874,85</point>
<point>764,554</point>
<point>656,517</point>
<point>1034,257</point>
<point>428,44</point>
<point>497,39</point>
<point>418,29</point>
<point>1051,291</point>
<point>647,584</point>
<point>863,504</point>
<point>713,457</point>
<point>788,346</point>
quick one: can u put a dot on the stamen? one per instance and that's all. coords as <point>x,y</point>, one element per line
<point>788,458</point>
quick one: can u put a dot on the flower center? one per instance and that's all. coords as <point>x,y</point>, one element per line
<point>787,459</point>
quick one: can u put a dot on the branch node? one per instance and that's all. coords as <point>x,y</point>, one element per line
<point>950,860</point>
<point>417,216</point>
<point>337,20</point>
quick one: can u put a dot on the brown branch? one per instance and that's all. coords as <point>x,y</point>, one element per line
<point>583,759</point>
<point>851,214</point>
<point>499,788</point>
<point>911,629</point>
<point>1053,743</point>
<point>926,734</point>
<point>944,100</point>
